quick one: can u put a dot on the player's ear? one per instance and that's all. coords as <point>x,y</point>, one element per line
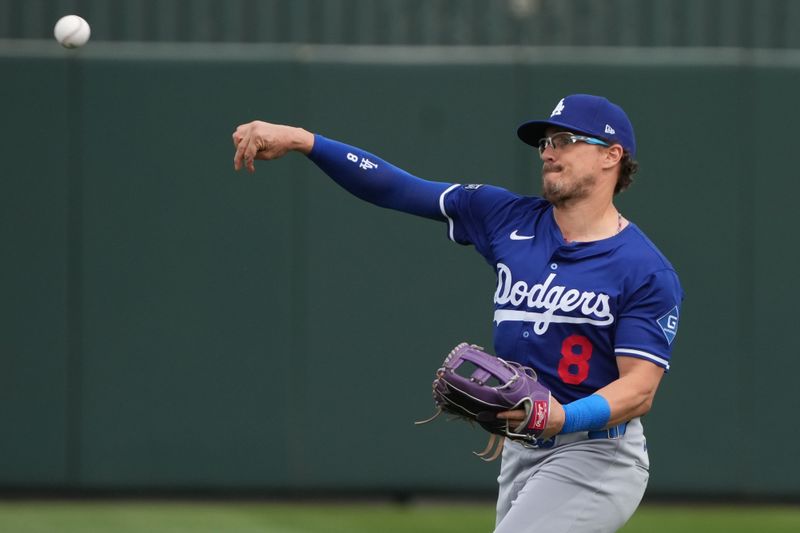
<point>613,155</point>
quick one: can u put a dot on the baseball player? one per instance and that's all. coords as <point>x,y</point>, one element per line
<point>583,297</point>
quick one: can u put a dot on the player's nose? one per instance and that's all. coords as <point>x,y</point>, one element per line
<point>548,154</point>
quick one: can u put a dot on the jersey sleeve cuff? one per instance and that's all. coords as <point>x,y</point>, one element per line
<point>450,224</point>
<point>641,354</point>
<point>317,147</point>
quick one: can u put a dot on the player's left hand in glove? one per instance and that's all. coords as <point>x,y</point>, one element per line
<point>476,386</point>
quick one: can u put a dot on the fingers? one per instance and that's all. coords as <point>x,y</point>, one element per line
<point>240,148</point>
<point>255,143</point>
<point>250,154</point>
<point>516,415</point>
<point>242,140</point>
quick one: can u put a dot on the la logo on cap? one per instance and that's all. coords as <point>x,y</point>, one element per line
<point>559,108</point>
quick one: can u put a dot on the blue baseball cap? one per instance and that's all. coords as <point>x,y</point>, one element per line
<point>587,114</point>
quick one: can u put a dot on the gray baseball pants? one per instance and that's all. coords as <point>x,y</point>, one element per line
<point>579,485</point>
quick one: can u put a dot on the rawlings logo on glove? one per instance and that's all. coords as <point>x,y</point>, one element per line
<point>474,385</point>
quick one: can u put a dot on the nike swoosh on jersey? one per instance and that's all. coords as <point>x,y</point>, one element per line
<point>516,237</point>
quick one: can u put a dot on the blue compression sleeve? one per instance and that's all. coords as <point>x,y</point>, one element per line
<point>586,414</point>
<point>376,181</point>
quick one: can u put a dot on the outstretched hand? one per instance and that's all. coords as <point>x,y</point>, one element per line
<point>262,140</point>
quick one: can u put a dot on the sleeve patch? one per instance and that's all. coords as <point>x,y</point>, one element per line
<point>669,324</point>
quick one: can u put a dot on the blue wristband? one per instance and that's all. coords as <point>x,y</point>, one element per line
<point>586,414</point>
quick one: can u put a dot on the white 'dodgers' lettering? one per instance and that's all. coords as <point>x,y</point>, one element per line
<point>544,300</point>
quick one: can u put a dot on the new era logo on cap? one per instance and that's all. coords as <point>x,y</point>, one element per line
<point>587,114</point>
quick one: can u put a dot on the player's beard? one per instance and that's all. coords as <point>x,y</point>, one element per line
<point>561,190</point>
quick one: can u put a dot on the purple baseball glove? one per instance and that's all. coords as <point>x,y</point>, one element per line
<point>475,386</point>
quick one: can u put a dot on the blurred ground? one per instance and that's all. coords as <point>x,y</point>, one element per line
<point>251,517</point>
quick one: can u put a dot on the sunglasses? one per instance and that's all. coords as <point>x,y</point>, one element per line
<point>565,138</point>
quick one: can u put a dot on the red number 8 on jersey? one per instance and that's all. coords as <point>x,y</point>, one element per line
<point>573,367</point>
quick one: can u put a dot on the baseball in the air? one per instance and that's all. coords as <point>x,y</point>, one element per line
<point>72,31</point>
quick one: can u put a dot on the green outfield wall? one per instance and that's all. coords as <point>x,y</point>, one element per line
<point>167,323</point>
<point>646,23</point>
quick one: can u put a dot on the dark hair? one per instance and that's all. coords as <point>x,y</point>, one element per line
<point>627,168</point>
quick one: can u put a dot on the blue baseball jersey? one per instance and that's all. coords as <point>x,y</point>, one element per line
<point>567,310</point>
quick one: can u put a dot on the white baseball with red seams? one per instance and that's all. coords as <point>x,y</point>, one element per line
<point>72,31</point>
